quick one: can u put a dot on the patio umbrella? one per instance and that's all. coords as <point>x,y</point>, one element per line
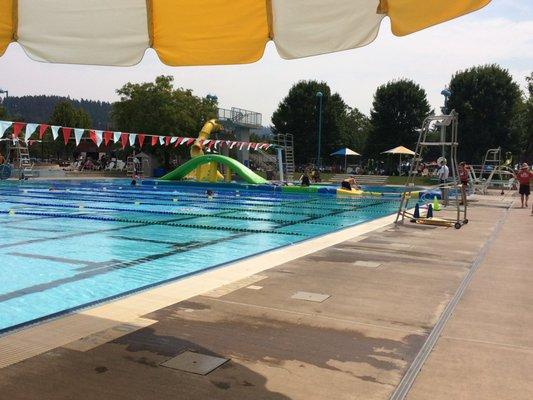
<point>208,32</point>
<point>345,152</point>
<point>400,150</point>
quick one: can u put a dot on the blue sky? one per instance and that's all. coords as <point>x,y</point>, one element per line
<point>500,33</point>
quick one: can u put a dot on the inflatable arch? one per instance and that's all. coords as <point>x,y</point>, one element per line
<point>210,162</point>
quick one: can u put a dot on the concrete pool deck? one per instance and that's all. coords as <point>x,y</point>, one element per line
<point>387,290</point>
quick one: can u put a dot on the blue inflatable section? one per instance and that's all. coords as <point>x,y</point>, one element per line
<point>5,171</point>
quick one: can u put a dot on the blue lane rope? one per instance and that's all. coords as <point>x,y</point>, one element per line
<point>148,222</point>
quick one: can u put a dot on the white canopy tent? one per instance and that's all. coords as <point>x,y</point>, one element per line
<point>345,152</point>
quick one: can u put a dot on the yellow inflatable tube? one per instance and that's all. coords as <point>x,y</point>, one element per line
<point>357,192</point>
<point>206,172</point>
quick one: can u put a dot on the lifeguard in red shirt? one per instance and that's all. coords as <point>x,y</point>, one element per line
<point>463,171</point>
<point>523,177</point>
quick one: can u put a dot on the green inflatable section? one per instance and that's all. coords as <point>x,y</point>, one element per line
<point>244,172</point>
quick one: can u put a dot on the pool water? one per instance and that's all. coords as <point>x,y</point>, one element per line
<point>70,244</point>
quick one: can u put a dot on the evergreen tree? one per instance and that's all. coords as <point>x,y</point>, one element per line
<point>487,100</point>
<point>40,108</point>
<point>158,108</point>
<point>297,114</point>
<point>398,109</point>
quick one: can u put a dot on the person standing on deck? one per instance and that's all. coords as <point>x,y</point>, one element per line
<point>463,172</point>
<point>523,176</point>
<point>443,174</point>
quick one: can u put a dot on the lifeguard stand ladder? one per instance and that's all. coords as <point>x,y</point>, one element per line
<point>286,143</point>
<point>448,140</point>
<point>18,152</point>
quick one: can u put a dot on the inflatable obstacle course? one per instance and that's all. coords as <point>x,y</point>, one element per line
<point>212,162</point>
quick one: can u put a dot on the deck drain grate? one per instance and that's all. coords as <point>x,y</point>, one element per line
<point>367,264</point>
<point>307,296</point>
<point>195,363</point>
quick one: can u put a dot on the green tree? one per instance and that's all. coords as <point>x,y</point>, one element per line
<point>355,128</point>
<point>297,114</point>
<point>398,109</point>
<point>39,108</point>
<point>158,108</point>
<point>526,137</point>
<point>64,114</point>
<point>3,113</point>
<point>487,100</point>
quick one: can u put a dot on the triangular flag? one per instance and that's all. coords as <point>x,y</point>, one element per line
<point>210,144</point>
<point>66,134</point>
<point>217,143</point>
<point>42,130</point>
<point>107,137</point>
<point>190,141</point>
<point>55,131</point>
<point>184,140</point>
<point>167,140</point>
<point>161,140</point>
<point>154,140</point>
<point>179,141</point>
<point>4,126</point>
<point>116,136</point>
<point>17,128</point>
<point>30,129</point>
<point>124,138</point>
<point>233,144</point>
<point>78,133</point>
<point>141,140</point>
<point>133,136</point>
<point>241,145</point>
<point>173,139</point>
<point>250,145</point>
<point>98,135</point>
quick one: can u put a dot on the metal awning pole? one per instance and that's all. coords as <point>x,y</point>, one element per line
<point>280,163</point>
<point>345,163</point>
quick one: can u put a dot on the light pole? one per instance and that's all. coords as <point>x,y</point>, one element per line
<point>320,97</point>
<point>446,93</point>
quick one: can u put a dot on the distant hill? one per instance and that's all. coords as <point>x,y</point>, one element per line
<point>39,108</point>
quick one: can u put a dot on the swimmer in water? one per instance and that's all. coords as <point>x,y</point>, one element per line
<point>349,184</point>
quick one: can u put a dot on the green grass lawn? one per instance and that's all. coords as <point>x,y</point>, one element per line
<point>393,180</point>
<point>419,181</point>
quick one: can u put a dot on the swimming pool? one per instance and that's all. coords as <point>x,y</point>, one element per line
<point>69,244</point>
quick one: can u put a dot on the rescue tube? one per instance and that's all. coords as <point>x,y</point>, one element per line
<point>357,192</point>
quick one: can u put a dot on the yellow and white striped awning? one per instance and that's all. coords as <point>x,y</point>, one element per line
<point>203,32</point>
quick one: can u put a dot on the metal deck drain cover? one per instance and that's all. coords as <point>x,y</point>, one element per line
<point>367,264</point>
<point>400,246</point>
<point>195,363</point>
<point>316,297</point>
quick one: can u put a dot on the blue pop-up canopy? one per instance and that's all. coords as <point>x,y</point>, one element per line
<point>345,152</point>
